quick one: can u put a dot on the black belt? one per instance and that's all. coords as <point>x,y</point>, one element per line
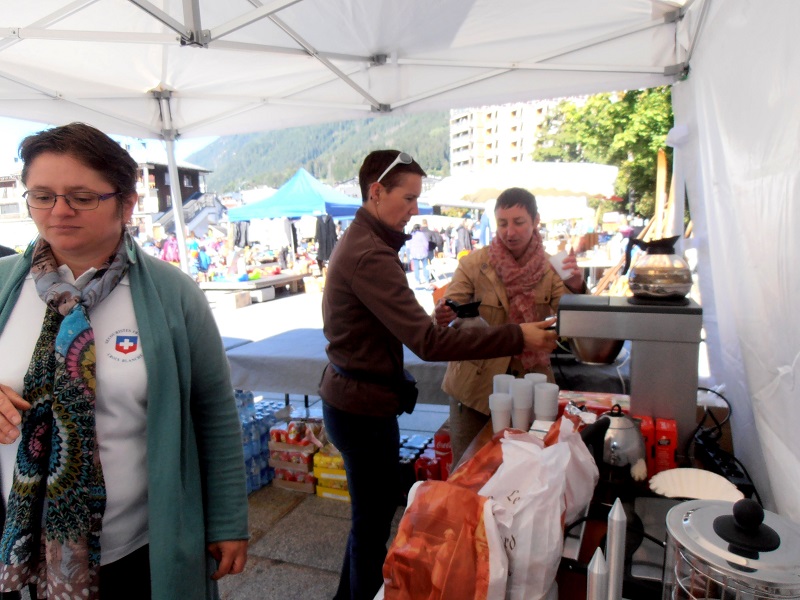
<point>406,387</point>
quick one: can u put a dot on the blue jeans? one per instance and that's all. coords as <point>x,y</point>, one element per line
<point>370,447</point>
<point>420,269</point>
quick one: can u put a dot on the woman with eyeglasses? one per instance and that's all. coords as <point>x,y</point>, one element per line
<point>369,313</point>
<point>120,460</point>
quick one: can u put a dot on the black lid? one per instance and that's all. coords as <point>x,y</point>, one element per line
<point>468,310</point>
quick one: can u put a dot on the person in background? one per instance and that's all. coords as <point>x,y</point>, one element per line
<point>169,249</point>
<point>418,249</point>
<point>369,313</point>
<point>6,251</point>
<point>463,238</point>
<point>515,283</point>
<point>121,453</point>
<point>203,264</point>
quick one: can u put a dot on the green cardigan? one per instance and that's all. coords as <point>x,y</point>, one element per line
<point>195,464</point>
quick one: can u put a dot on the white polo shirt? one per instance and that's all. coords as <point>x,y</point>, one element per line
<point>121,405</point>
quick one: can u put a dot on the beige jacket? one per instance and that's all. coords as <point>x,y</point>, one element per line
<point>470,381</point>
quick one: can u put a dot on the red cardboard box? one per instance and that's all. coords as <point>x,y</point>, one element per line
<point>666,445</point>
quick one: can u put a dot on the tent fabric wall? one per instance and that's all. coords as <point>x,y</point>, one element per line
<point>739,104</point>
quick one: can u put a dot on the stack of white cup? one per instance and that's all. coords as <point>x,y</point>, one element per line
<point>500,406</point>
<point>501,384</point>
<point>522,396</point>
<point>545,398</point>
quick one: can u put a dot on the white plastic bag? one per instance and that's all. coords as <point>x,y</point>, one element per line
<point>539,487</point>
<point>530,485</point>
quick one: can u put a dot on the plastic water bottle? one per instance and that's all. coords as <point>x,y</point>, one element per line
<point>247,441</point>
<point>255,437</point>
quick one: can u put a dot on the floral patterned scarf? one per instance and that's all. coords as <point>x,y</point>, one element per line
<point>55,509</point>
<point>519,278</point>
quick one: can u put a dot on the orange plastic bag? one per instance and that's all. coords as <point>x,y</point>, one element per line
<point>447,546</point>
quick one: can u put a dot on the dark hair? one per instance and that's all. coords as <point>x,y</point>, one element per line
<point>517,197</point>
<point>375,163</point>
<point>89,146</point>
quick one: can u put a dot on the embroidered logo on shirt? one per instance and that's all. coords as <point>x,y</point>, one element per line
<point>126,343</point>
<point>122,346</point>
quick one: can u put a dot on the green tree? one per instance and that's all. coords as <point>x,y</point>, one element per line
<point>624,129</point>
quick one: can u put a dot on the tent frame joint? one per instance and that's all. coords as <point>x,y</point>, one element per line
<point>200,39</point>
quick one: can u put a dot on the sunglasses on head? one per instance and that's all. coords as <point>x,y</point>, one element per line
<point>402,158</point>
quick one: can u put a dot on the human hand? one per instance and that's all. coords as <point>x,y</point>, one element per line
<point>443,314</point>
<point>10,405</point>
<point>570,263</point>
<point>538,337</point>
<point>231,556</point>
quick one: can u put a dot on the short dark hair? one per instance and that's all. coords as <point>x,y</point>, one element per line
<point>517,197</point>
<point>375,163</point>
<point>89,146</point>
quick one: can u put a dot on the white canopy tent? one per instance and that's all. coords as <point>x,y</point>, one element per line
<point>169,68</point>
<point>541,178</point>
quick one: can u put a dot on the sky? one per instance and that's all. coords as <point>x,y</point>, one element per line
<point>12,131</point>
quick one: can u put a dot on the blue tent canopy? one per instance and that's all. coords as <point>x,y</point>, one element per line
<point>303,195</point>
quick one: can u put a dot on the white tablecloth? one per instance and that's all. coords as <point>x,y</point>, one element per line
<point>292,362</point>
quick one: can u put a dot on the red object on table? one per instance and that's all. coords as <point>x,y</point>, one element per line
<point>649,434</point>
<point>666,445</point>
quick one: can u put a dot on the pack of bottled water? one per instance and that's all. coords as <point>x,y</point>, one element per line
<point>256,416</point>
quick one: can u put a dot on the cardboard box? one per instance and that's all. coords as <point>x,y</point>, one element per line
<point>339,474</point>
<point>307,488</point>
<point>262,294</point>
<point>284,447</point>
<point>233,300</point>
<point>333,494</point>
<point>313,284</point>
<point>282,464</point>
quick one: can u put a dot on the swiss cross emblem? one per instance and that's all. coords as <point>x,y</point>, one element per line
<point>126,343</point>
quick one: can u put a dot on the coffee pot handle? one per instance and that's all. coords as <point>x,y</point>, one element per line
<point>631,243</point>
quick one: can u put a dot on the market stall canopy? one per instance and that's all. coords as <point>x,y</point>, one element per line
<point>540,178</point>
<point>237,67</point>
<point>301,195</point>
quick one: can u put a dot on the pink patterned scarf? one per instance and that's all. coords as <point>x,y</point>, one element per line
<point>519,278</point>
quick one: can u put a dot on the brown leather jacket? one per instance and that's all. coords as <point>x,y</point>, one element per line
<point>470,381</point>
<point>369,312</point>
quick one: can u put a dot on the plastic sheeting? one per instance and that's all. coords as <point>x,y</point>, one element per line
<point>739,105</point>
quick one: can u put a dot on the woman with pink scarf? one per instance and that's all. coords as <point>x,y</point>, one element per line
<point>515,283</point>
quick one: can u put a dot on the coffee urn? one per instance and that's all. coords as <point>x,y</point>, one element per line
<point>730,551</point>
<point>665,348</point>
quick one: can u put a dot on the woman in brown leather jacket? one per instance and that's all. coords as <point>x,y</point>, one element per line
<point>369,313</point>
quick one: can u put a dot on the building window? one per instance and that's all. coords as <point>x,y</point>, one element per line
<point>187,181</point>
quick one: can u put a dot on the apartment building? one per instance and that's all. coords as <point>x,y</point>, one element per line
<point>495,135</point>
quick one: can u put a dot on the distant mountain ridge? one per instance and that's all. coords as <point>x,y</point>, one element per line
<point>331,152</point>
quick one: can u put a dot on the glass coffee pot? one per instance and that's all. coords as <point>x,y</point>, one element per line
<point>467,315</point>
<point>659,273</point>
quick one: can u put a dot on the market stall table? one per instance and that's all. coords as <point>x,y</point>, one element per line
<point>252,285</point>
<point>292,362</point>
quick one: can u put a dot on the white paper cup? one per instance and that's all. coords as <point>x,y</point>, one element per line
<point>536,378</point>
<point>500,406</point>
<point>501,384</point>
<point>556,260</point>
<point>522,393</point>
<point>545,401</point>
<point>522,397</point>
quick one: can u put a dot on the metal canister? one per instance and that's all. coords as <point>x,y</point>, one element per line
<point>723,550</point>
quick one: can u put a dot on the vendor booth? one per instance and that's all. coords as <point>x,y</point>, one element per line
<point>226,68</point>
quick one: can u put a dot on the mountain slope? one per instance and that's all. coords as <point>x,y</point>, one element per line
<point>331,152</point>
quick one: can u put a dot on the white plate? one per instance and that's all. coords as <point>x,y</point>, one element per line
<point>694,484</point>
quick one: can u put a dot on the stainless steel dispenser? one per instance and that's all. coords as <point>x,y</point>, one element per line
<point>665,347</point>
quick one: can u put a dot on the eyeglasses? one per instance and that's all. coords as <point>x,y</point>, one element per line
<point>402,158</point>
<point>75,200</point>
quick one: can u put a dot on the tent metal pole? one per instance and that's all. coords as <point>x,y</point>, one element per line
<point>169,135</point>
